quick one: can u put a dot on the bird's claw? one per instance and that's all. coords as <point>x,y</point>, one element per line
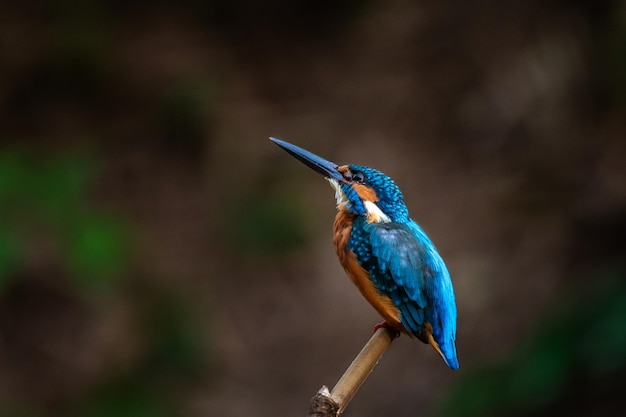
<point>385,325</point>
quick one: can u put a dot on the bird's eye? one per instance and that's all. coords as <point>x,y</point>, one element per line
<point>358,177</point>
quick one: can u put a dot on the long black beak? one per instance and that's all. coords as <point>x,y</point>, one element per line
<point>316,163</point>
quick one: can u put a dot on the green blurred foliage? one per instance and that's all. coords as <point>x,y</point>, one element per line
<point>571,352</point>
<point>177,339</point>
<point>45,198</point>
<point>131,398</point>
<point>96,248</point>
<point>50,197</point>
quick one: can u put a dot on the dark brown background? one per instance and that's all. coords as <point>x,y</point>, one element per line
<point>160,257</point>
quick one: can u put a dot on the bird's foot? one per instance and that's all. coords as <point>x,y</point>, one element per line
<point>387,326</point>
<point>384,324</point>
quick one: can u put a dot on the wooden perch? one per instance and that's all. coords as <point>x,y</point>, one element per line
<point>332,403</point>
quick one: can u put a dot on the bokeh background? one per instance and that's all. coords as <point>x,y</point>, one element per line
<point>160,257</point>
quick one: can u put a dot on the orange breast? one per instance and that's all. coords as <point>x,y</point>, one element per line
<point>359,276</point>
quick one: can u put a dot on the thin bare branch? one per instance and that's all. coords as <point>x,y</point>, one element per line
<point>333,403</point>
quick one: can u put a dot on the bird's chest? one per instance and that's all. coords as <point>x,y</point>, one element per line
<point>355,255</point>
<point>352,245</point>
<point>342,231</point>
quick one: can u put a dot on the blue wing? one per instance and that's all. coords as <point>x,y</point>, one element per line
<point>406,266</point>
<point>399,272</point>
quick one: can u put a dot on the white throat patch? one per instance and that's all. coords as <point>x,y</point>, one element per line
<point>340,196</point>
<point>374,213</point>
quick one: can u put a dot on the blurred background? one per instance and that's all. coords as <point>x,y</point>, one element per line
<point>159,256</point>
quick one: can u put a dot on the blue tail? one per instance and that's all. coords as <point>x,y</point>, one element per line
<point>448,353</point>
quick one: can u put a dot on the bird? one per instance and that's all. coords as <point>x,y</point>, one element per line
<point>387,255</point>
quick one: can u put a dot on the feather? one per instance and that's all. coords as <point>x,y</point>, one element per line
<point>405,266</point>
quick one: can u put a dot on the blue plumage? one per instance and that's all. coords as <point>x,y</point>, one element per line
<point>404,264</point>
<point>387,255</point>
<point>391,200</point>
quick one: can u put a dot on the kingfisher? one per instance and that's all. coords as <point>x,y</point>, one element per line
<point>387,255</point>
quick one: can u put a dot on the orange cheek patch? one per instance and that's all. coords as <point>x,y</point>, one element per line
<point>366,193</point>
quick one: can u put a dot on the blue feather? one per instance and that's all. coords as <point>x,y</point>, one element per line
<point>404,265</point>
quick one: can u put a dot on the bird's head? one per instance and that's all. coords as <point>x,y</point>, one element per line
<point>359,190</point>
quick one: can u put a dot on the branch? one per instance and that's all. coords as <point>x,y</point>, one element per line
<point>333,403</point>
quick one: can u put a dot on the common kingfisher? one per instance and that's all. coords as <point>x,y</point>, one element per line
<point>387,255</point>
